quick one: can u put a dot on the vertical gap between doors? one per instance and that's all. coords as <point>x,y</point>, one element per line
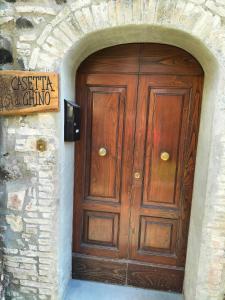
<point>131,187</point>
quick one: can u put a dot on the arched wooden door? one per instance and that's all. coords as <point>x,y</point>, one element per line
<point>140,108</point>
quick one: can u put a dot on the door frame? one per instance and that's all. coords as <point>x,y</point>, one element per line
<point>205,157</point>
<point>189,79</point>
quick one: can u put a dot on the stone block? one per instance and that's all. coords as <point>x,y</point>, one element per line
<point>43,234</point>
<point>28,253</point>
<point>36,221</point>
<point>216,9</point>
<point>38,9</point>
<point>44,241</point>
<point>44,34</point>
<point>25,145</point>
<point>45,248</point>
<point>81,21</point>
<point>27,37</point>
<point>4,20</point>
<point>46,228</point>
<point>62,15</point>
<point>10,251</point>
<point>33,247</point>
<point>69,30</point>
<point>11,264</point>
<point>30,283</point>
<point>15,222</point>
<point>32,215</point>
<point>45,209</point>
<point>79,3</point>
<point>43,267</point>
<point>44,272</point>
<point>46,279</point>
<point>31,206</point>
<point>20,259</point>
<point>16,200</point>
<point>47,215</point>
<point>22,271</point>
<point>61,36</point>
<point>28,266</point>
<point>28,290</point>
<point>24,23</point>
<point>44,291</point>
<point>45,261</point>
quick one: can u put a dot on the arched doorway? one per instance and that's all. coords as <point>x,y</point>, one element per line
<point>135,163</point>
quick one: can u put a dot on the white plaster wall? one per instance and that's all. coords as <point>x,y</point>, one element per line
<point>66,159</point>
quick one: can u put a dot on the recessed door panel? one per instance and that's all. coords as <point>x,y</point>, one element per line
<point>106,119</point>
<point>157,235</point>
<point>100,228</point>
<point>167,117</point>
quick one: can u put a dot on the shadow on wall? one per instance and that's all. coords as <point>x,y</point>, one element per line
<point>5,51</point>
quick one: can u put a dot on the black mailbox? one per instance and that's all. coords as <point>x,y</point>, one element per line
<point>71,121</point>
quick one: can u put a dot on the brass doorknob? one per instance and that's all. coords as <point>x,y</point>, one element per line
<point>164,156</point>
<point>137,175</point>
<point>102,152</point>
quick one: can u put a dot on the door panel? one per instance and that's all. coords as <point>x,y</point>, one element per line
<point>106,111</point>
<point>157,235</point>
<point>163,114</point>
<point>101,228</point>
<point>167,115</point>
<point>102,204</point>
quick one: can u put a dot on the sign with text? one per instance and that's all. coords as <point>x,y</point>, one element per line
<point>24,92</point>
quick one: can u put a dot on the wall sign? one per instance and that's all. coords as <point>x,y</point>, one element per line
<point>24,92</point>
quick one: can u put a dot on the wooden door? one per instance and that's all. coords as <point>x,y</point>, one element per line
<point>103,183</point>
<point>135,164</point>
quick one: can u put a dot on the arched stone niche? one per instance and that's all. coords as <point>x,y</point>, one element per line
<point>201,254</point>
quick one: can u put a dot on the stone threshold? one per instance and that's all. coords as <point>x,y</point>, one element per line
<point>87,290</point>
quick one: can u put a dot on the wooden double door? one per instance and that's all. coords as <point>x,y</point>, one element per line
<point>134,164</point>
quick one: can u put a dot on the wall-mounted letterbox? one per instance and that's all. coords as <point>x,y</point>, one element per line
<point>71,121</point>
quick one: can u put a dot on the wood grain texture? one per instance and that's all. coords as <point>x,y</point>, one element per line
<point>105,121</point>
<point>103,184</point>
<point>145,58</point>
<point>23,92</point>
<point>167,59</point>
<point>146,143</point>
<point>100,228</point>
<point>158,235</point>
<point>155,277</point>
<point>99,270</point>
<point>137,100</point>
<point>166,115</point>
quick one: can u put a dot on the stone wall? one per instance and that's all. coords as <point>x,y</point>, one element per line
<point>28,201</point>
<point>41,35</point>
